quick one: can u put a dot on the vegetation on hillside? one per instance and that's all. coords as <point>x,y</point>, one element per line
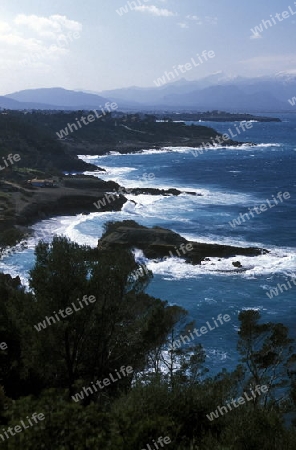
<point>113,131</point>
<point>39,150</point>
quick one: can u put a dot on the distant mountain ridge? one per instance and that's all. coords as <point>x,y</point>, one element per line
<point>52,99</point>
<point>217,91</point>
<point>10,103</point>
<point>58,96</point>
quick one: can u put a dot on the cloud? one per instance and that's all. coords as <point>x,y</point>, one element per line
<point>37,40</point>
<point>290,58</point>
<point>152,9</point>
<point>290,71</point>
<point>23,43</point>
<point>256,35</point>
<point>211,20</point>
<point>203,20</point>
<point>268,63</point>
<point>195,19</point>
<point>183,25</point>
<point>4,28</point>
<point>47,27</point>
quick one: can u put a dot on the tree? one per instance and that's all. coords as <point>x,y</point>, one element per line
<point>118,328</point>
<point>184,363</point>
<point>266,350</point>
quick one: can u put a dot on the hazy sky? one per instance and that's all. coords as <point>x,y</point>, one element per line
<point>88,45</point>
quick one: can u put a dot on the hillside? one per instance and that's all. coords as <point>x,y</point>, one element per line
<point>34,152</point>
<point>120,132</point>
<point>37,146</point>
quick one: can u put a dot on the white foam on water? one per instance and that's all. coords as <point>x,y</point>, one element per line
<point>183,149</point>
<point>91,157</point>
<point>144,199</point>
<point>216,197</point>
<point>169,206</point>
<point>257,308</point>
<point>269,144</point>
<point>194,151</point>
<point>276,262</point>
<point>216,355</point>
<point>14,270</point>
<point>88,157</point>
<point>17,261</point>
<point>204,196</point>
<point>111,172</point>
<point>69,229</point>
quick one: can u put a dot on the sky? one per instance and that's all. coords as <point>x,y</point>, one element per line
<point>95,45</point>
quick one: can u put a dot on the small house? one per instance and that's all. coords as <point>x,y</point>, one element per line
<point>41,183</point>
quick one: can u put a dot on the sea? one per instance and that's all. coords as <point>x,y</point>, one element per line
<point>231,181</point>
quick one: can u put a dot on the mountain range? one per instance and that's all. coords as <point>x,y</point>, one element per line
<point>215,92</point>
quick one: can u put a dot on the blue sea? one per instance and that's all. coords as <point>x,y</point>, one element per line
<point>231,180</point>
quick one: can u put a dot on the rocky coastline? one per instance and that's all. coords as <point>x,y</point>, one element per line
<point>155,242</point>
<point>23,204</point>
<point>159,242</point>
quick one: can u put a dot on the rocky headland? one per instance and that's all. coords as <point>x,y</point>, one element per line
<point>159,242</point>
<point>215,116</point>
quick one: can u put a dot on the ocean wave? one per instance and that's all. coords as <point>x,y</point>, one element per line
<point>187,150</point>
<point>112,171</point>
<point>187,202</point>
<point>87,157</point>
<point>276,262</point>
<point>90,157</point>
<point>87,229</point>
<point>269,144</point>
<point>177,149</point>
<point>245,146</point>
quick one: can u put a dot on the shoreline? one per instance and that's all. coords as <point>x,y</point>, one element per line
<point>155,242</point>
<point>23,203</point>
<point>77,197</point>
<point>131,148</point>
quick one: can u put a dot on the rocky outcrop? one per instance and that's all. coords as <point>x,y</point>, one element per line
<point>68,203</point>
<point>155,191</point>
<point>159,242</point>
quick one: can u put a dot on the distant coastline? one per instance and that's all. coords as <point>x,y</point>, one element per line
<point>216,116</point>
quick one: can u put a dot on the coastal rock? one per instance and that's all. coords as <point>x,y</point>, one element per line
<point>159,242</point>
<point>75,204</point>
<point>155,191</point>
<point>237,264</point>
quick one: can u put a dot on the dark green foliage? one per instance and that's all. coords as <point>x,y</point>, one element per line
<point>119,328</point>
<point>40,371</point>
<point>67,425</point>
<point>38,130</point>
<point>10,237</point>
<point>37,146</point>
<point>266,350</point>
